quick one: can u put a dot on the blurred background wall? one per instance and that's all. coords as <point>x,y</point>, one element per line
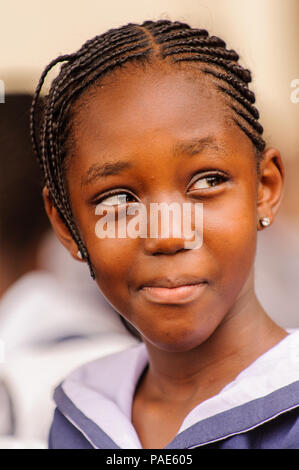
<point>266,35</point>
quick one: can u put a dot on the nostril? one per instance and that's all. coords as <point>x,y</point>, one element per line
<point>169,246</point>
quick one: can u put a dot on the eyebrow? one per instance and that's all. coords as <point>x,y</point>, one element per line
<point>106,169</point>
<point>196,146</point>
<point>187,147</point>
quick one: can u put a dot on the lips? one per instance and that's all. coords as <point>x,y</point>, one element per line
<point>172,283</point>
<point>173,291</point>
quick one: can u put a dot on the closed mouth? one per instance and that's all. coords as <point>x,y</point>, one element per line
<point>172,283</point>
<point>174,292</point>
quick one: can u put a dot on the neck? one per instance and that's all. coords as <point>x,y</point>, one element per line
<point>245,334</point>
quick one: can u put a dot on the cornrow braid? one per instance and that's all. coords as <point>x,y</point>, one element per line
<point>162,40</point>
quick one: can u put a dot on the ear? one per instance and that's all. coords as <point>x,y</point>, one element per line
<point>270,185</point>
<point>59,227</point>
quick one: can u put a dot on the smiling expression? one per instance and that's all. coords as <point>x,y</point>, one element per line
<point>157,136</point>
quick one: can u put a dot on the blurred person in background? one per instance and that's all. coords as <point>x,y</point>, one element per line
<point>46,328</point>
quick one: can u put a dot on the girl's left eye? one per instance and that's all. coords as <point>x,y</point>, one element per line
<point>208,181</point>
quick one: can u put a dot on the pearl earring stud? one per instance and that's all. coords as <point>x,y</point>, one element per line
<point>265,221</point>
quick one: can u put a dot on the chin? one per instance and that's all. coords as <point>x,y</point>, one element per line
<point>179,341</point>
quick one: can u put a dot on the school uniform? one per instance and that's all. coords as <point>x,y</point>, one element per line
<point>257,410</point>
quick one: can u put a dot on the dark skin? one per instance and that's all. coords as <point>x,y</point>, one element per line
<point>196,347</point>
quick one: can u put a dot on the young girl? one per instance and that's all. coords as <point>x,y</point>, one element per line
<point>162,113</point>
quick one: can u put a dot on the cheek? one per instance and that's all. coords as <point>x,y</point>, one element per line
<point>230,235</point>
<point>113,262</point>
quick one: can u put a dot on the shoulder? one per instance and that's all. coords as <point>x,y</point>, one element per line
<point>280,432</point>
<point>268,422</point>
<point>64,435</point>
<point>93,398</point>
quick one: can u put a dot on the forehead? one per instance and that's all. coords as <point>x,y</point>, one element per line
<point>135,101</point>
<point>136,110</point>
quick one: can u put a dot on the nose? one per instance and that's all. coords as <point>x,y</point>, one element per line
<point>166,246</point>
<point>165,230</point>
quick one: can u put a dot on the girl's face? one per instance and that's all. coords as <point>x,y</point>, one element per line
<point>155,137</point>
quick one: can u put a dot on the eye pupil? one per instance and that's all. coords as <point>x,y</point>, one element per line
<point>213,180</point>
<point>208,181</point>
<point>116,199</point>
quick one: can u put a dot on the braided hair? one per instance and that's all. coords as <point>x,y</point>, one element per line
<point>162,40</point>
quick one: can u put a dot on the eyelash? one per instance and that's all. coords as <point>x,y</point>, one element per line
<point>222,177</point>
<point>209,176</point>
<point>113,193</point>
